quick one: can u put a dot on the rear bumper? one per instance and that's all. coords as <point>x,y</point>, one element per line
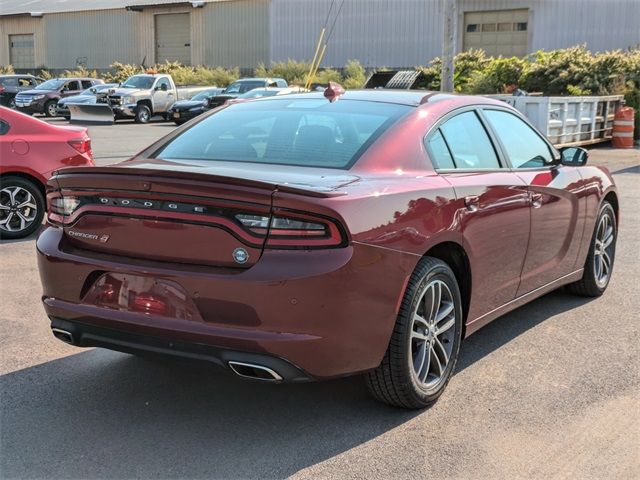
<point>85,335</point>
<point>327,313</point>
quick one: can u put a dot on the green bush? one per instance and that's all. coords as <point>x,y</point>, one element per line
<point>8,70</point>
<point>296,73</point>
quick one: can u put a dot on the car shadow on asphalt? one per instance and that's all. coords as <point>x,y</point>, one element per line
<point>102,414</point>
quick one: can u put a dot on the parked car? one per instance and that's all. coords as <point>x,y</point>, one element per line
<point>31,150</point>
<point>296,238</point>
<point>86,96</point>
<point>44,97</point>
<point>140,97</point>
<point>266,92</point>
<point>184,110</point>
<point>245,85</point>
<point>10,85</point>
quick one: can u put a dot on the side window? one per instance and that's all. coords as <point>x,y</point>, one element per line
<point>23,82</point>
<point>86,84</point>
<point>4,127</point>
<point>72,86</point>
<point>523,145</point>
<point>469,143</point>
<point>163,81</point>
<point>439,152</point>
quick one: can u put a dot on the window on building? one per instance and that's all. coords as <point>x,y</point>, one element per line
<point>488,27</point>
<point>473,27</point>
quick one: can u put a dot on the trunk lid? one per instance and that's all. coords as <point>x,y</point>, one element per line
<point>178,215</point>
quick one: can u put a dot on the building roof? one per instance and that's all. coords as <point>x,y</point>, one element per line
<point>17,7</point>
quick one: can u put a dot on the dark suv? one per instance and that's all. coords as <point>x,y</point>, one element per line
<point>44,98</point>
<point>10,85</point>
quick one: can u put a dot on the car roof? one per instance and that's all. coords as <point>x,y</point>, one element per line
<point>400,97</point>
<point>257,79</point>
<point>21,75</point>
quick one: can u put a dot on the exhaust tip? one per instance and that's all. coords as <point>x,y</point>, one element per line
<point>63,335</point>
<point>254,372</point>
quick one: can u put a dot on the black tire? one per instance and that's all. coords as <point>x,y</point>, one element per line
<point>179,122</point>
<point>67,118</point>
<point>14,182</point>
<point>51,108</point>
<point>394,382</point>
<point>143,114</point>
<point>588,285</point>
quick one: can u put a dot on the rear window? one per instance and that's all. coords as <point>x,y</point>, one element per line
<point>301,132</point>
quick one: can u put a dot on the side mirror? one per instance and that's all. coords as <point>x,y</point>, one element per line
<point>574,156</point>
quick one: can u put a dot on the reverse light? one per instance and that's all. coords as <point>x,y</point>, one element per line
<point>63,206</point>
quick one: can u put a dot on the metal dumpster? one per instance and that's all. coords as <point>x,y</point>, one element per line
<point>569,120</point>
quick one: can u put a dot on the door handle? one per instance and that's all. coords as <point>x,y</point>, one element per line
<point>472,202</point>
<point>536,200</point>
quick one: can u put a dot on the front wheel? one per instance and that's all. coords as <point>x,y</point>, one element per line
<point>143,114</point>
<point>51,108</point>
<point>425,342</point>
<point>22,207</point>
<point>602,250</point>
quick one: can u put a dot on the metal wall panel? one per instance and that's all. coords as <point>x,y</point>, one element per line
<point>391,33</point>
<point>601,25</point>
<point>22,26</point>
<point>94,38</point>
<point>236,33</point>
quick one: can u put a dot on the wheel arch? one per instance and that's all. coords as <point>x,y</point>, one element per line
<point>454,255</point>
<point>612,198</point>
<point>35,180</point>
<point>147,103</point>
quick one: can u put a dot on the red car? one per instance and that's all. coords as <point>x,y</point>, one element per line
<point>300,237</point>
<point>30,150</point>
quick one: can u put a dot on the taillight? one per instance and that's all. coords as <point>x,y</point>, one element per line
<point>295,231</point>
<point>1,89</point>
<point>82,145</point>
<point>61,207</point>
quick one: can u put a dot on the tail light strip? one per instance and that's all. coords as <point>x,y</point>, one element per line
<point>283,229</point>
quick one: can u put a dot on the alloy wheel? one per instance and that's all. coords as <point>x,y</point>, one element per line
<point>52,109</point>
<point>432,334</point>
<point>18,209</point>
<point>603,252</point>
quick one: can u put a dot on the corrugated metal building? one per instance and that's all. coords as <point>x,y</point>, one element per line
<point>62,34</point>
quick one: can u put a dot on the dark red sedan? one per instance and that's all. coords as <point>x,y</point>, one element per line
<point>300,237</point>
<point>30,150</point>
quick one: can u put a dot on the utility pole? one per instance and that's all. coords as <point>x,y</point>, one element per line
<point>449,37</point>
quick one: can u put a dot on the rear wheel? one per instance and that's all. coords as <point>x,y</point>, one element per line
<point>424,346</point>
<point>21,207</point>
<point>143,114</point>
<point>51,108</point>
<point>599,264</point>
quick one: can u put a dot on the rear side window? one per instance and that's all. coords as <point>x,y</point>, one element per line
<point>301,132</point>
<point>86,84</point>
<point>9,82</point>
<point>469,143</point>
<point>439,152</point>
<point>523,145</point>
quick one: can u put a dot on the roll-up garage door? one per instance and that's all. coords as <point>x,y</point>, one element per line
<point>499,32</point>
<point>21,51</point>
<point>173,38</point>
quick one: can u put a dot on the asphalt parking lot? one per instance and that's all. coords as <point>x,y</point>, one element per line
<point>551,390</point>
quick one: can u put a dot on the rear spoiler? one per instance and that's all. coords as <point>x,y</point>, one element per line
<point>81,173</point>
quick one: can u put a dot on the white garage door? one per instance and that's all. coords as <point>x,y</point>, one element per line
<point>499,32</point>
<point>173,38</point>
<point>21,51</point>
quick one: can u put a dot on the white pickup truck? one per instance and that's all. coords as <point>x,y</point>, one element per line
<point>142,96</point>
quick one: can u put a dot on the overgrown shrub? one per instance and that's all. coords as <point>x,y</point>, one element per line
<point>296,73</point>
<point>8,70</point>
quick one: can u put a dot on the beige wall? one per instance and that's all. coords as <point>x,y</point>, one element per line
<point>22,25</point>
